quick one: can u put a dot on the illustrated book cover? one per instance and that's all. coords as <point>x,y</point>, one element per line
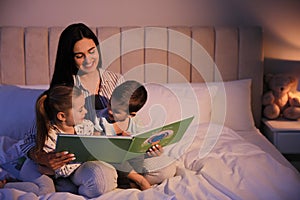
<point>117,149</point>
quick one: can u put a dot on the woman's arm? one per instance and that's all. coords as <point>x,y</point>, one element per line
<point>51,160</point>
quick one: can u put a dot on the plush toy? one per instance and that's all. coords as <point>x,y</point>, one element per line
<point>281,99</point>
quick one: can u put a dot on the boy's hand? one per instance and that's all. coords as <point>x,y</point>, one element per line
<point>155,150</point>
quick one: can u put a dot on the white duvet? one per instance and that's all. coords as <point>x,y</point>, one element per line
<point>231,168</point>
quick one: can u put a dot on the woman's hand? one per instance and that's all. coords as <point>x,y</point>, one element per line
<point>155,150</point>
<point>45,170</point>
<point>55,160</point>
<point>52,160</point>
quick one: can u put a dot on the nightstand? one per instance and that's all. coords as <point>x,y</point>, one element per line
<point>285,135</point>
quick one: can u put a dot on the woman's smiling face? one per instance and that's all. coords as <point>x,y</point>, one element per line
<point>86,55</point>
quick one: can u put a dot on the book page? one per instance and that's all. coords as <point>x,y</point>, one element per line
<point>164,136</point>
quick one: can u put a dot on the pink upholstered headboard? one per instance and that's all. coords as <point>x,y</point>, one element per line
<point>147,54</point>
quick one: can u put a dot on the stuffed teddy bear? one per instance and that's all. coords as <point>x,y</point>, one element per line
<point>281,99</point>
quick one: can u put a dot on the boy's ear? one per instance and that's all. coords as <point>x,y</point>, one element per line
<point>61,116</point>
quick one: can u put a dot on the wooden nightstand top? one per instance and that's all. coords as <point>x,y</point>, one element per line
<point>282,125</point>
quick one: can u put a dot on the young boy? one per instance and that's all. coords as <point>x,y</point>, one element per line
<point>118,119</point>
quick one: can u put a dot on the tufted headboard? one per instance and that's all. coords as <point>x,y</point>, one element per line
<point>147,54</point>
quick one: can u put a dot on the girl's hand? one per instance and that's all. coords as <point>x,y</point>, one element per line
<point>155,150</point>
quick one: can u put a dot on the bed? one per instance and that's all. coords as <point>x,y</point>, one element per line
<point>212,73</point>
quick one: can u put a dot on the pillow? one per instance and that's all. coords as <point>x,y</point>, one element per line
<point>17,109</point>
<point>40,87</point>
<point>232,104</point>
<point>171,102</point>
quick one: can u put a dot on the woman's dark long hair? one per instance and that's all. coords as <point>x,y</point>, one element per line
<point>65,66</point>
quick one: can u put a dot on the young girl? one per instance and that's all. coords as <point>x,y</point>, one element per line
<point>61,110</point>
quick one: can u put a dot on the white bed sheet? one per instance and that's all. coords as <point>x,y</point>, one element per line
<point>257,138</point>
<point>234,168</point>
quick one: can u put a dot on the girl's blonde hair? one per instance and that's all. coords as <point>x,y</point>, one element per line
<point>49,104</point>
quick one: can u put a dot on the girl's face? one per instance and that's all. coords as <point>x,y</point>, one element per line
<point>86,55</point>
<point>77,113</point>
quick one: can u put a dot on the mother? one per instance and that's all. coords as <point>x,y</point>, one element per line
<point>78,62</point>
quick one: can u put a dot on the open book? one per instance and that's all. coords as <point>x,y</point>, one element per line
<point>117,149</point>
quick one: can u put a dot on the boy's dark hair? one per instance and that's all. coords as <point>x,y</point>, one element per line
<point>131,94</point>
